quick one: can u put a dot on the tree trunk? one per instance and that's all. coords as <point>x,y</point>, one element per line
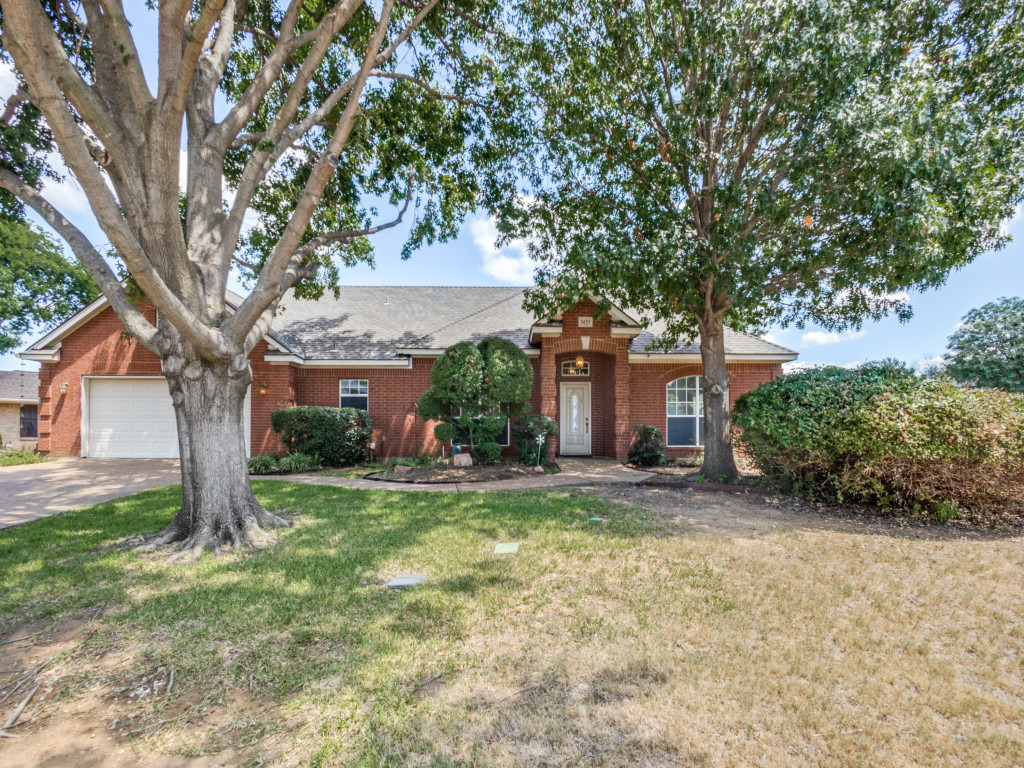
<point>218,506</point>
<point>719,465</point>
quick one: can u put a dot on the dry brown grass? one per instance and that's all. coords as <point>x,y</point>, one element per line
<point>712,630</point>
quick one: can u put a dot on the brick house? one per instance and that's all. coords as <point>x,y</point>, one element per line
<point>102,395</point>
<point>19,409</point>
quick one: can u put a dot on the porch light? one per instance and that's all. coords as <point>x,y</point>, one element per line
<point>63,387</point>
<point>264,389</point>
<point>580,362</point>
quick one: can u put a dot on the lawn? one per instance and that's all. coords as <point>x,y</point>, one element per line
<point>619,642</point>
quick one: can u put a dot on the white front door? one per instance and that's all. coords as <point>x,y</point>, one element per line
<point>575,430</point>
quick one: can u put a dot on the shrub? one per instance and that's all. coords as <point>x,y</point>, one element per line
<point>263,464</point>
<point>648,446</point>
<point>882,435</point>
<point>337,436</point>
<point>21,456</point>
<point>298,462</point>
<point>474,391</point>
<point>527,430</point>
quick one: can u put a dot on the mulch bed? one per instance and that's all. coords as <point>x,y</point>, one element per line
<point>444,473</point>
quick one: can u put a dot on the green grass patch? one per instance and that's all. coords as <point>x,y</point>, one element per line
<point>308,623</point>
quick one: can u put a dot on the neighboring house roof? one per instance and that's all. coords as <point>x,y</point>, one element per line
<point>389,324</point>
<point>19,387</point>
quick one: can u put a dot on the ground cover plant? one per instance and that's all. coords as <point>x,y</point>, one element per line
<point>884,436</point>
<point>620,642</point>
<point>26,456</point>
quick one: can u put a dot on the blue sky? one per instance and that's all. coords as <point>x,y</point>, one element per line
<point>474,259</point>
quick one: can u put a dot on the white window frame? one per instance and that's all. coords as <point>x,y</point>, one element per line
<point>569,369</point>
<point>359,384</point>
<point>689,384</point>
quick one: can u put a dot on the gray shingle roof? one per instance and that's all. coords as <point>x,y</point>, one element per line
<point>19,385</point>
<point>373,322</point>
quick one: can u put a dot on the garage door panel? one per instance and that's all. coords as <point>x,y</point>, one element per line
<point>134,418</point>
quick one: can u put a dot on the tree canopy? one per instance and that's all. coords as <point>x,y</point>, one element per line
<point>38,286</point>
<point>987,350</point>
<point>715,162</point>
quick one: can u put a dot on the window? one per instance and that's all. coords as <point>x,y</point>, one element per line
<point>684,409</point>
<point>354,393</point>
<point>502,438</point>
<point>569,368</point>
<point>30,421</point>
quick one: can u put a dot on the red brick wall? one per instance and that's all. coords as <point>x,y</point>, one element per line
<point>622,394</point>
<point>95,349</point>
<point>649,381</point>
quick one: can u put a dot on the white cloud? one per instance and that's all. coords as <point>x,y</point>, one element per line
<point>8,81</point>
<point>770,337</point>
<point>822,338</point>
<point>509,264</point>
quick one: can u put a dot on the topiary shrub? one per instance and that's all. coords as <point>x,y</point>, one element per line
<point>474,391</point>
<point>337,436</point>
<point>533,434</point>
<point>648,446</point>
<point>883,436</point>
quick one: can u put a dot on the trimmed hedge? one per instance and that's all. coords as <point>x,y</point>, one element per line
<point>337,436</point>
<point>881,435</point>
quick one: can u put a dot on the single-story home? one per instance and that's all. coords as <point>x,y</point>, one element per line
<point>102,394</point>
<point>19,409</point>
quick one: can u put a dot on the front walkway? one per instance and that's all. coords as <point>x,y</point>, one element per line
<point>574,472</point>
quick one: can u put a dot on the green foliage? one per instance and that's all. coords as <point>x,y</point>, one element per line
<point>475,390</point>
<point>533,434</point>
<point>38,286</point>
<point>987,350</point>
<point>263,464</point>
<point>756,163</point>
<point>648,446</point>
<point>337,436</point>
<point>299,462</point>
<point>883,436</point>
<point>23,456</point>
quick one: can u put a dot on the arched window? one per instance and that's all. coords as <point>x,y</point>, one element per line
<point>684,410</point>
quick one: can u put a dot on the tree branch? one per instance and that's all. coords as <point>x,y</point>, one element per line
<point>133,320</point>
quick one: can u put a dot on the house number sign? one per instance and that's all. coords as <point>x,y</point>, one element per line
<point>586,322</point>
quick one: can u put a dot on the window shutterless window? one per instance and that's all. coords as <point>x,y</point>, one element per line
<point>569,368</point>
<point>684,411</point>
<point>354,393</point>
<point>29,421</point>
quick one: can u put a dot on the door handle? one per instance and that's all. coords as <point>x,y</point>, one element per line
<point>586,424</point>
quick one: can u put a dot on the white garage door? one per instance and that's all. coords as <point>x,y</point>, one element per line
<point>133,419</point>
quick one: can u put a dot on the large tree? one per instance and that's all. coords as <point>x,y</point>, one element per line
<point>311,113</point>
<point>987,349</point>
<point>714,162</point>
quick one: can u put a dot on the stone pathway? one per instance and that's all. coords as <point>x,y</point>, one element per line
<point>574,472</point>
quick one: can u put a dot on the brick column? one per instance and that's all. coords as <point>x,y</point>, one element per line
<point>548,386</point>
<point>623,425</point>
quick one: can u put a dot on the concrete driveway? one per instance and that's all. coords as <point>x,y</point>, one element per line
<point>38,490</point>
